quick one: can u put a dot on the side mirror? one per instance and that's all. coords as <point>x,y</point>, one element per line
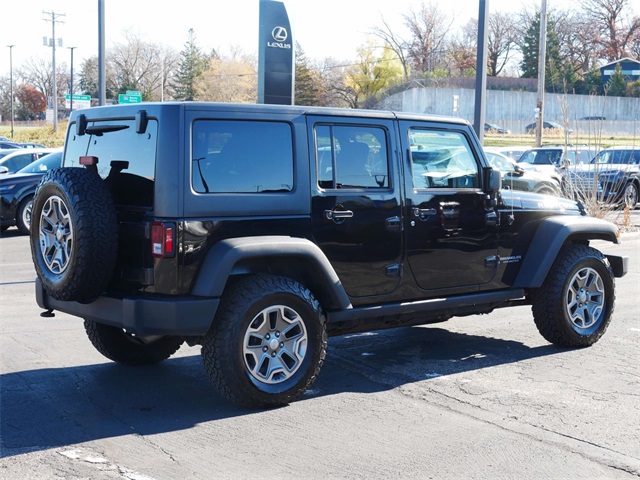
<point>4,170</point>
<point>493,179</point>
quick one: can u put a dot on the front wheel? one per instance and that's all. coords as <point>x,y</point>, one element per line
<point>573,306</point>
<point>267,343</point>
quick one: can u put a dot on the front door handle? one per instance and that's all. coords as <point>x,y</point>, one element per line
<point>338,215</point>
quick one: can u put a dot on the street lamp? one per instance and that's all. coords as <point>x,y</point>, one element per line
<point>71,83</point>
<point>11,80</point>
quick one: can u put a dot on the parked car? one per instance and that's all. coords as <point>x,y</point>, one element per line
<point>9,145</point>
<point>31,145</point>
<point>517,178</point>
<point>22,157</point>
<point>164,226</point>
<point>16,192</point>
<point>514,151</point>
<point>593,118</point>
<point>531,128</point>
<point>493,128</point>
<point>613,177</point>
<point>552,158</point>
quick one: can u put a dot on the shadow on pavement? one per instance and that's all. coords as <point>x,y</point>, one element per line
<point>53,407</point>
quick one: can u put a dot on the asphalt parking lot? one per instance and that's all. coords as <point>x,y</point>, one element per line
<point>480,397</point>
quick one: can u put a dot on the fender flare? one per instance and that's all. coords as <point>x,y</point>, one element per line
<point>548,239</point>
<point>226,254</point>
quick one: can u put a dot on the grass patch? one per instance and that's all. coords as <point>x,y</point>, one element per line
<point>43,135</point>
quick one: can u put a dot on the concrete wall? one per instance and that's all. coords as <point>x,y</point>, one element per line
<point>514,110</point>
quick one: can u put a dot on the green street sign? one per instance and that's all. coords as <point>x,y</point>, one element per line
<point>126,98</point>
<point>78,97</point>
<point>134,93</point>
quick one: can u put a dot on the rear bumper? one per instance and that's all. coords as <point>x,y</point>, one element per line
<point>188,316</point>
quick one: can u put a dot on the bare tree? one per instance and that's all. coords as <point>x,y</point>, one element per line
<point>617,24</point>
<point>139,65</point>
<point>429,28</point>
<point>464,47</point>
<point>396,43</point>
<point>38,73</point>
<point>501,41</point>
<point>577,35</point>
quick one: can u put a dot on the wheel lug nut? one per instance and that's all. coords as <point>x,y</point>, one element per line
<point>267,336</point>
<point>277,334</point>
<point>273,354</point>
<point>264,349</point>
<point>281,344</point>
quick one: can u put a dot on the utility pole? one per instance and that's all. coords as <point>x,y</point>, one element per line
<point>53,17</point>
<point>481,69</point>
<point>11,87</point>
<point>102,69</point>
<point>71,82</point>
<point>542,53</point>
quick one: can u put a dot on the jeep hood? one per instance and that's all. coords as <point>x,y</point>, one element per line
<point>520,200</point>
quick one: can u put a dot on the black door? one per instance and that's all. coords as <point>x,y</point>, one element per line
<point>356,208</point>
<point>450,229</point>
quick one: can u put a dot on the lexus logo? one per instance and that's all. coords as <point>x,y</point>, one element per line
<point>279,34</point>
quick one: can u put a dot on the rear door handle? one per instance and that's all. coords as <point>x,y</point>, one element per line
<point>424,213</point>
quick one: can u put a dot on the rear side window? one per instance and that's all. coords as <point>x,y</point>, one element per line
<point>351,156</point>
<point>238,156</point>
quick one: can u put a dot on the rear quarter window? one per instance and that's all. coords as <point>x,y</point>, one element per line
<point>242,156</point>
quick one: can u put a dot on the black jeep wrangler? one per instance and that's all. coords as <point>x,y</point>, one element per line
<point>257,231</point>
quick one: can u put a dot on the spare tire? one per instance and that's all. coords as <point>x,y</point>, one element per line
<point>74,234</point>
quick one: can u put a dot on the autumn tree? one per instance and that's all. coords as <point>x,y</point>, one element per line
<point>192,64</point>
<point>396,43</point>
<point>308,84</point>
<point>39,74</point>
<point>229,79</point>
<point>30,102</point>
<point>371,74</point>
<point>618,27</point>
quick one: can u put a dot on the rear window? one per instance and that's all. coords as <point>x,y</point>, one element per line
<point>126,159</point>
<point>239,156</point>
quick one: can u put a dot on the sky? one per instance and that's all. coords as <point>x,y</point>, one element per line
<point>335,28</point>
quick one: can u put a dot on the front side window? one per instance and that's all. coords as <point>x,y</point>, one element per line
<point>442,159</point>
<point>351,156</point>
<point>619,157</point>
<point>238,156</point>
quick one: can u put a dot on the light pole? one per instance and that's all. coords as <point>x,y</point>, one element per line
<point>11,81</point>
<point>71,82</point>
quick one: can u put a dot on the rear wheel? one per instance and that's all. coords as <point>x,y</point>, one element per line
<point>23,218</point>
<point>267,343</point>
<point>631,195</point>
<point>121,347</point>
<point>574,305</point>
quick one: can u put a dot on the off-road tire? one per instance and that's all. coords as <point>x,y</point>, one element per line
<point>222,347</point>
<point>549,302</point>
<point>93,238</point>
<point>21,221</point>
<point>126,349</point>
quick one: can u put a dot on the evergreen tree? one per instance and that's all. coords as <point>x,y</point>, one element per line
<point>192,64</point>
<point>530,47</point>
<point>308,86</point>
<point>617,84</point>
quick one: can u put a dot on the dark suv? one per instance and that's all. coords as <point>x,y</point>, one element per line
<point>256,231</point>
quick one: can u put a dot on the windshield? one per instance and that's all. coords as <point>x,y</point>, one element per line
<point>48,162</point>
<point>619,157</point>
<point>541,157</point>
<point>499,162</point>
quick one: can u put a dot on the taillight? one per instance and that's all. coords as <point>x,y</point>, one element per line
<point>162,240</point>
